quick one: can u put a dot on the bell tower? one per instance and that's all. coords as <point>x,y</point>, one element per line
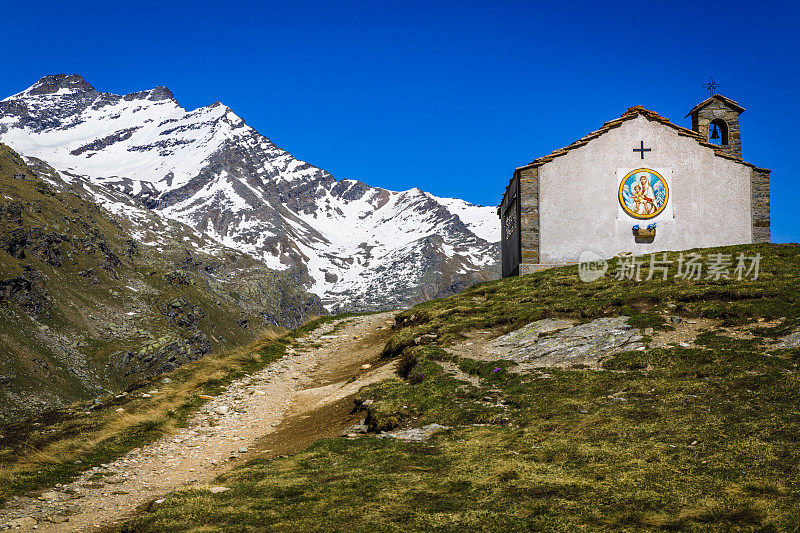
<point>717,120</point>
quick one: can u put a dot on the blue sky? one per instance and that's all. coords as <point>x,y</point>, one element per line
<point>447,96</point>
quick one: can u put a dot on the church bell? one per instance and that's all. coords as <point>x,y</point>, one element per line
<point>714,132</point>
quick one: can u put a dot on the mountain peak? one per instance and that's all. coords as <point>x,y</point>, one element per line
<point>162,93</point>
<point>52,83</point>
<point>358,247</point>
<point>158,93</point>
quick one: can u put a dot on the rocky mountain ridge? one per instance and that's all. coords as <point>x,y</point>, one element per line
<point>86,306</point>
<point>359,247</point>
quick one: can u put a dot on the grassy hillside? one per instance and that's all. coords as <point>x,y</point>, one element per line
<point>57,445</point>
<point>91,302</point>
<point>679,436</point>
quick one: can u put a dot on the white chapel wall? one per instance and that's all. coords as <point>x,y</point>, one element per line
<point>709,200</point>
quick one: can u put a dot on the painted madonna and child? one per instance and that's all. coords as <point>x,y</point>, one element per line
<point>643,193</point>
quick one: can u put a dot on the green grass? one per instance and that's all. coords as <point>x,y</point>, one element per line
<point>510,303</point>
<point>668,439</point>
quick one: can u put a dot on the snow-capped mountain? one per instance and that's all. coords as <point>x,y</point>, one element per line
<point>358,247</point>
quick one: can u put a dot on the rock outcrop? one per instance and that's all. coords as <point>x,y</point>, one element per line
<point>559,343</point>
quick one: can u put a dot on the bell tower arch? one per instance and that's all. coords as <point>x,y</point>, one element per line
<point>717,120</point>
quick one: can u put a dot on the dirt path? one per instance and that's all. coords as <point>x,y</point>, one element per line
<point>305,396</point>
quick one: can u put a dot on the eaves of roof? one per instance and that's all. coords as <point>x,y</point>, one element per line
<point>631,114</point>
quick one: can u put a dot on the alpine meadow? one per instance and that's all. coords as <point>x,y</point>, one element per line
<point>482,266</point>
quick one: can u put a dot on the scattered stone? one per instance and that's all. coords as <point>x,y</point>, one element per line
<point>243,449</point>
<point>27,521</point>
<point>355,430</point>
<point>218,490</point>
<point>790,341</point>
<point>425,338</point>
<point>366,366</point>
<point>47,496</point>
<point>222,410</point>
<point>166,380</point>
<point>145,395</point>
<point>414,434</point>
<point>675,319</point>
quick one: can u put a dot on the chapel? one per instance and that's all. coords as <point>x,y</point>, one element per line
<point>638,184</point>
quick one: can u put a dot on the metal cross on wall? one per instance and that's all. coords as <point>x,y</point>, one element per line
<point>642,149</point>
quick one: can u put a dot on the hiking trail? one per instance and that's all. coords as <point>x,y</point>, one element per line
<point>281,409</point>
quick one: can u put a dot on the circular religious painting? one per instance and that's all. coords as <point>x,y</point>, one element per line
<point>643,193</point>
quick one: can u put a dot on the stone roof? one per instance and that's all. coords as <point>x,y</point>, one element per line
<point>727,101</point>
<point>631,114</point>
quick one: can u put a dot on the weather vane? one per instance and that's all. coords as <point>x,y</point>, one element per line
<point>711,86</point>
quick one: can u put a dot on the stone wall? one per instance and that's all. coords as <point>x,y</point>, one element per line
<point>529,216</point>
<point>759,197</point>
<point>716,109</point>
<point>509,228</point>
